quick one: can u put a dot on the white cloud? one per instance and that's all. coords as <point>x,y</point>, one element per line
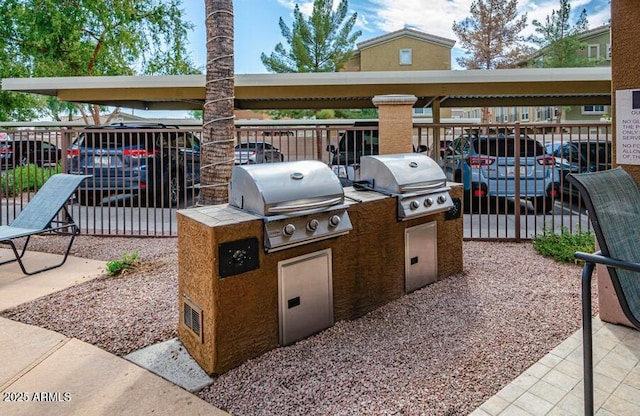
<point>437,16</point>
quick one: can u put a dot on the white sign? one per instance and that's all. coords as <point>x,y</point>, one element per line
<point>628,127</point>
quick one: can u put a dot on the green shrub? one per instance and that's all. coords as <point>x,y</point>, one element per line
<point>126,262</point>
<point>562,246</point>
<point>25,178</point>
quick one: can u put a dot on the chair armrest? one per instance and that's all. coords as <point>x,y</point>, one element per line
<point>598,258</point>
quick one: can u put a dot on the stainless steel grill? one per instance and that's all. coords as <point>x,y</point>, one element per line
<point>300,202</point>
<point>414,179</point>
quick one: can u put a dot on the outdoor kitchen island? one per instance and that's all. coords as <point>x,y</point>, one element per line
<point>231,287</point>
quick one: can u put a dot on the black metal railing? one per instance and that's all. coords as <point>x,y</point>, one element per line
<point>143,176</point>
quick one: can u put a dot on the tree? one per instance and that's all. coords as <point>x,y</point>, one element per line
<point>560,43</point>
<point>59,109</point>
<point>559,39</point>
<point>15,106</point>
<point>218,135</point>
<point>93,37</point>
<point>322,43</point>
<point>492,35</point>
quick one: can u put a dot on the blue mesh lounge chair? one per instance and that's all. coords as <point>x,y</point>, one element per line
<point>40,216</point>
<point>612,199</point>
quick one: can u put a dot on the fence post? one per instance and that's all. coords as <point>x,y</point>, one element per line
<point>516,138</point>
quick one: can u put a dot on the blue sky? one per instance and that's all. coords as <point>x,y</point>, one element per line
<point>257,30</point>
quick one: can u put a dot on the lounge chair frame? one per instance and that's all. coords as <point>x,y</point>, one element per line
<point>612,200</point>
<point>42,216</point>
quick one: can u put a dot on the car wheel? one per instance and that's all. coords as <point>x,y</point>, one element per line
<point>542,204</point>
<point>86,197</point>
<point>168,193</point>
<point>173,191</point>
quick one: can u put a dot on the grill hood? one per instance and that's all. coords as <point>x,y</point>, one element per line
<point>402,173</point>
<point>414,179</point>
<point>283,188</point>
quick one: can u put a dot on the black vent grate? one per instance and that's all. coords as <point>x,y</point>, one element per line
<point>192,317</point>
<point>195,321</point>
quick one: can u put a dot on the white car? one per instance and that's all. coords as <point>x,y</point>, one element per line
<point>256,152</point>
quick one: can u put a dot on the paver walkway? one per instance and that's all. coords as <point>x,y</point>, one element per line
<point>553,386</point>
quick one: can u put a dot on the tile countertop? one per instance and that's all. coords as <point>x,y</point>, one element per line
<point>353,196</point>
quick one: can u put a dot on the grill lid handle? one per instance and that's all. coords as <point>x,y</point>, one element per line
<point>423,186</point>
<point>309,205</point>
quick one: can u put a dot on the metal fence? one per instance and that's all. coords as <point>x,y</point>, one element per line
<point>139,192</point>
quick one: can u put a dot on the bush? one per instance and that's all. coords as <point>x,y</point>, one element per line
<point>126,262</point>
<point>561,247</point>
<point>25,178</point>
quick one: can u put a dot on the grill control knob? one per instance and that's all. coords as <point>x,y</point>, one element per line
<point>414,205</point>
<point>334,221</point>
<point>289,229</point>
<point>428,202</point>
<point>312,225</point>
<point>442,199</point>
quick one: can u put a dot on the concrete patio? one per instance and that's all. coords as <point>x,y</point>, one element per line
<point>553,386</point>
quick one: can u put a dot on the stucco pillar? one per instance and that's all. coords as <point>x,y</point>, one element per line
<point>395,122</point>
<point>625,74</point>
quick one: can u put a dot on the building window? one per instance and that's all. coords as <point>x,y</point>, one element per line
<point>593,51</point>
<point>423,111</point>
<point>405,57</point>
<point>544,114</point>
<point>513,116</point>
<point>594,109</point>
<point>524,115</point>
<point>608,51</point>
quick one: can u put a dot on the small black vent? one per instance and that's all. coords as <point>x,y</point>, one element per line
<point>192,316</point>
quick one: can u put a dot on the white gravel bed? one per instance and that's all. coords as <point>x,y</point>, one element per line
<point>442,350</point>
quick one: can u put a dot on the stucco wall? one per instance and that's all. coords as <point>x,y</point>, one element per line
<point>625,55</point>
<point>385,57</point>
<point>625,74</point>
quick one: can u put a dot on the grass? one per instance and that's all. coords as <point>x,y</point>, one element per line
<point>128,261</point>
<point>561,246</point>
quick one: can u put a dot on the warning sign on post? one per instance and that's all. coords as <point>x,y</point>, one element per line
<point>628,127</point>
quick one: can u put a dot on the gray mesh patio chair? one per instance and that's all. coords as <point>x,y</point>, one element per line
<point>40,216</point>
<point>612,199</point>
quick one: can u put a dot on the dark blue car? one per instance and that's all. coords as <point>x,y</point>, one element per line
<point>152,163</point>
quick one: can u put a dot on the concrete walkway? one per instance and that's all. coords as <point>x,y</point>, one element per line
<point>553,386</point>
<point>46,373</point>
<point>17,288</point>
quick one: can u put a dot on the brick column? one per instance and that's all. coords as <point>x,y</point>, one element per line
<point>396,122</point>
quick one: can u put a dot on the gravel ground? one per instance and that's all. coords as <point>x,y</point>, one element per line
<point>442,350</point>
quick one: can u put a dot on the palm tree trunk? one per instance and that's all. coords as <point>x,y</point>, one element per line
<point>218,135</point>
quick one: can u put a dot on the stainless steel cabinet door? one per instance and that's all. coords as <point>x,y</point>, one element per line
<point>421,256</point>
<point>305,296</point>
